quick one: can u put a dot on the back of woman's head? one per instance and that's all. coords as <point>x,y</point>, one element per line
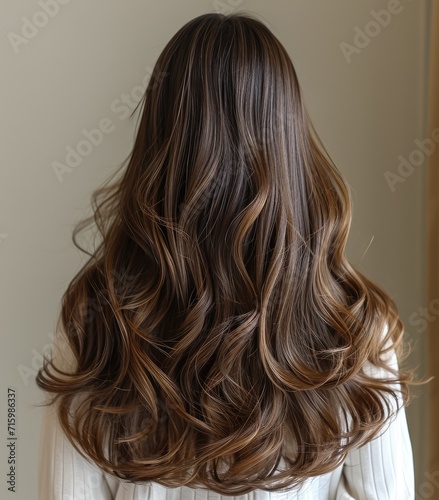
<point>218,331</point>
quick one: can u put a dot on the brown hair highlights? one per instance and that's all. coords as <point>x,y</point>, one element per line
<point>218,329</point>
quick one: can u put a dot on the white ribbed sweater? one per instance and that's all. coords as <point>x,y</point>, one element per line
<point>380,470</point>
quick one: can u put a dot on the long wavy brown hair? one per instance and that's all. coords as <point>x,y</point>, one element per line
<point>218,330</point>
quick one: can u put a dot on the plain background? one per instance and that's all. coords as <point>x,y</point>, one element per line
<point>79,64</point>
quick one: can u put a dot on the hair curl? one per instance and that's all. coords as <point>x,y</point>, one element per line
<point>218,329</point>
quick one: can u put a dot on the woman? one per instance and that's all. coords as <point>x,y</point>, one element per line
<point>218,341</point>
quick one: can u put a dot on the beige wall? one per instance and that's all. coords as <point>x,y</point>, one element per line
<point>74,71</point>
<point>432,204</point>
